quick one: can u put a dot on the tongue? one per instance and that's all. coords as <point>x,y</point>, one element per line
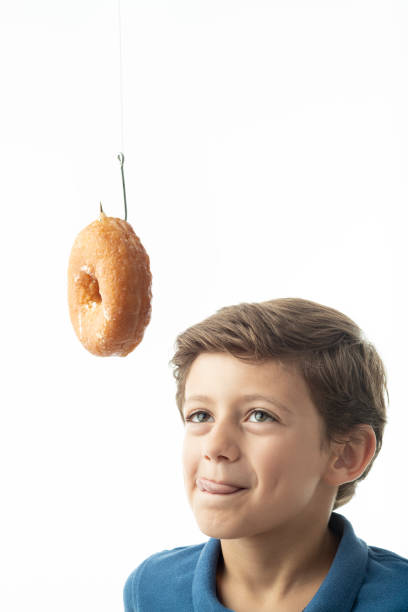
<point>212,487</point>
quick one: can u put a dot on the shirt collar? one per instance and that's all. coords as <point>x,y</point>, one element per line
<point>338,590</point>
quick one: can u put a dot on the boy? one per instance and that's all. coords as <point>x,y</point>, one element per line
<point>284,410</point>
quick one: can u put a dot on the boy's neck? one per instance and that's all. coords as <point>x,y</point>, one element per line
<point>278,574</point>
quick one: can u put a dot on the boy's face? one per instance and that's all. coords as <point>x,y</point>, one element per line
<point>278,460</point>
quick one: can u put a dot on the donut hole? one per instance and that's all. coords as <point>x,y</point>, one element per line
<point>88,288</point>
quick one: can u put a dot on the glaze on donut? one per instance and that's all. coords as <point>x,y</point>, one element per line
<point>109,287</point>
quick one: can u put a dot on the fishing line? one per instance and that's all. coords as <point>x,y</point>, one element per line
<point>121,76</point>
<point>121,156</point>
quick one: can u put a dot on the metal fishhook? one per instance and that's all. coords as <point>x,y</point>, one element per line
<point>121,158</point>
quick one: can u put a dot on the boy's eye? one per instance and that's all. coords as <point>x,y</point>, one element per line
<point>254,412</point>
<point>269,416</point>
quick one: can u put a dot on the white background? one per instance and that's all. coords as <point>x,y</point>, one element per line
<point>265,156</point>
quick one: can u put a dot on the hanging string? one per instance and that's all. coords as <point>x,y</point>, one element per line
<point>121,156</point>
<point>121,77</point>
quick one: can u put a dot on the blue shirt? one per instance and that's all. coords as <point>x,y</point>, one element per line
<point>361,579</point>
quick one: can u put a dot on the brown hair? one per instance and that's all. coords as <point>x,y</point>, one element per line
<point>343,371</point>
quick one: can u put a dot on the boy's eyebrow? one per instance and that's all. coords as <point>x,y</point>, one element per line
<point>249,398</point>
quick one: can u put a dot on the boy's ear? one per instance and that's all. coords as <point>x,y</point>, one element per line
<point>350,458</point>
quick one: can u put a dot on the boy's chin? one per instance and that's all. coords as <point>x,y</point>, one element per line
<point>221,532</point>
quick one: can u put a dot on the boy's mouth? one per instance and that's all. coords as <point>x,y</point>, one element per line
<point>209,486</point>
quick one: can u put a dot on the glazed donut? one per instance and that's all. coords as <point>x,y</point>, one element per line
<point>109,287</point>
